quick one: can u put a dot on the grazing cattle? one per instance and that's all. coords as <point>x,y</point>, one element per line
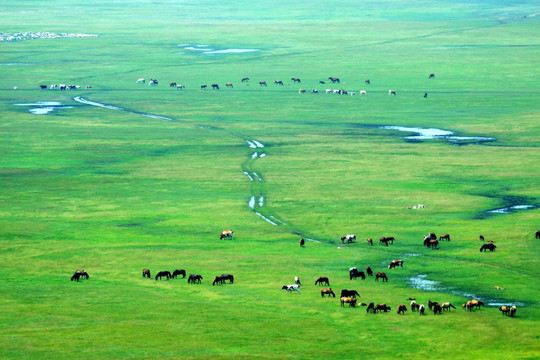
<point>334,79</point>
<point>295,80</point>
<point>329,292</point>
<point>444,237</point>
<point>78,274</point>
<point>349,293</point>
<point>194,279</point>
<point>172,84</point>
<point>363,92</point>
<point>504,309</point>
<point>322,280</point>
<point>179,272</point>
<point>180,86</point>
<point>302,91</point>
<point>226,234</point>
<point>421,309</point>
<point>229,85</point>
<point>431,76</point>
<point>446,306</point>
<point>537,234</point>
<point>43,87</point>
<point>370,241</point>
<point>291,288</point>
<point>140,81</point>
<point>297,280</point>
<point>146,273</point>
<point>513,310</point>
<point>278,82</point>
<point>481,237</point>
<point>395,263</point>
<point>391,92</point>
<point>166,274</point>
<point>401,309</point>
<point>381,275</point>
<point>369,271</point>
<point>203,87</point>
<point>348,238</point>
<point>371,307</point>
<point>354,273</point>
<point>215,87</point>
<point>425,95</point>
<point>348,300</point>
<point>302,242</point>
<point>367,81</point>
<point>382,308</point>
<point>491,247</point>
<point>245,79</point>
<point>263,83</point>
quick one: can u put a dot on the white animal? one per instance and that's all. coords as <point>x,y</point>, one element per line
<point>15,88</point>
<point>363,92</point>
<point>328,91</point>
<point>140,81</point>
<point>421,309</point>
<point>291,288</point>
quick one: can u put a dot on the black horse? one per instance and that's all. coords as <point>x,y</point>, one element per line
<point>490,247</point>
<point>78,275</point>
<point>194,279</point>
<point>179,272</point>
<point>161,274</point>
<point>349,293</point>
<point>225,277</point>
<point>371,307</point>
<point>354,273</point>
<point>215,86</point>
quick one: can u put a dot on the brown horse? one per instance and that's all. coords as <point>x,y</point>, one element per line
<point>78,274</point>
<point>401,309</point>
<point>322,280</point>
<point>295,80</point>
<point>302,242</point>
<point>369,271</point>
<point>263,83</point>
<point>381,275</point>
<point>504,309</point>
<point>229,85</point>
<point>444,237</point>
<point>395,263</point>
<point>349,293</point>
<point>146,273</point>
<point>226,234</point>
<point>537,234</point>
<point>370,241</point>
<point>348,300</point>
<point>382,308</point>
<point>278,82</point>
<point>326,291</point>
<point>334,79</point>
<point>194,279</point>
<point>371,307</point>
<point>217,281</point>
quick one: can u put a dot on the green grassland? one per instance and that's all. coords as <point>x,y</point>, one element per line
<point>113,192</point>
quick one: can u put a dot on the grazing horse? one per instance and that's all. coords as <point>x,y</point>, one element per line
<point>446,306</point>
<point>348,238</point>
<point>245,79</point>
<point>421,309</point>
<point>354,273</point>
<point>491,247</point>
<point>334,79</point>
<point>78,274</point>
<point>391,92</point>
<point>153,82</point>
<point>437,309</point>
<point>291,288</point>
<point>215,87</point>
<point>295,80</point>
<point>226,234</point>
<point>225,277</point>
<point>444,237</point>
<point>371,307</point>
<point>477,303</point>
<point>146,273</point>
<point>140,81</point>
<point>302,91</point>
<point>278,82</point>
<point>322,280</point>
<point>326,291</point>
<point>367,81</point>
<point>395,263</point>
<point>382,308</point>
<point>194,279</point>
<point>43,87</point>
<point>381,275</point>
<point>401,309</point>
<point>314,91</point>
<point>425,95</point>
<point>537,234</point>
<point>414,306</point>
<point>263,83</point>
<point>88,87</point>
<point>481,237</point>
<point>431,243</point>
<point>370,241</point>
<point>369,271</point>
<point>348,300</point>
<point>179,272</point>
<point>363,92</point>
<point>229,85</point>
<point>297,281</point>
<point>431,304</point>
<point>218,280</point>
<point>349,293</point>
<point>513,310</point>
<point>180,87</point>
<point>161,274</point>
<point>302,242</point>
<point>504,309</point>
<point>172,84</point>
<point>203,87</point>
<point>431,76</point>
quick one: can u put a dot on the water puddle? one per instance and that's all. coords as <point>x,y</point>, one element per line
<point>111,107</point>
<point>511,209</point>
<point>20,36</point>
<point>214,50</point>
<point>45,107</point>
<point>436,134</point>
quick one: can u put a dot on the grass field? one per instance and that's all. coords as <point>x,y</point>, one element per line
<point>114,190</point>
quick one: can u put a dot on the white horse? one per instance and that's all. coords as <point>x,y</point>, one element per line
<point>363,92</point>
<point>291,288</point>
<point>421,309</point>
<point>391,92</point>
<point>140,81</point>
